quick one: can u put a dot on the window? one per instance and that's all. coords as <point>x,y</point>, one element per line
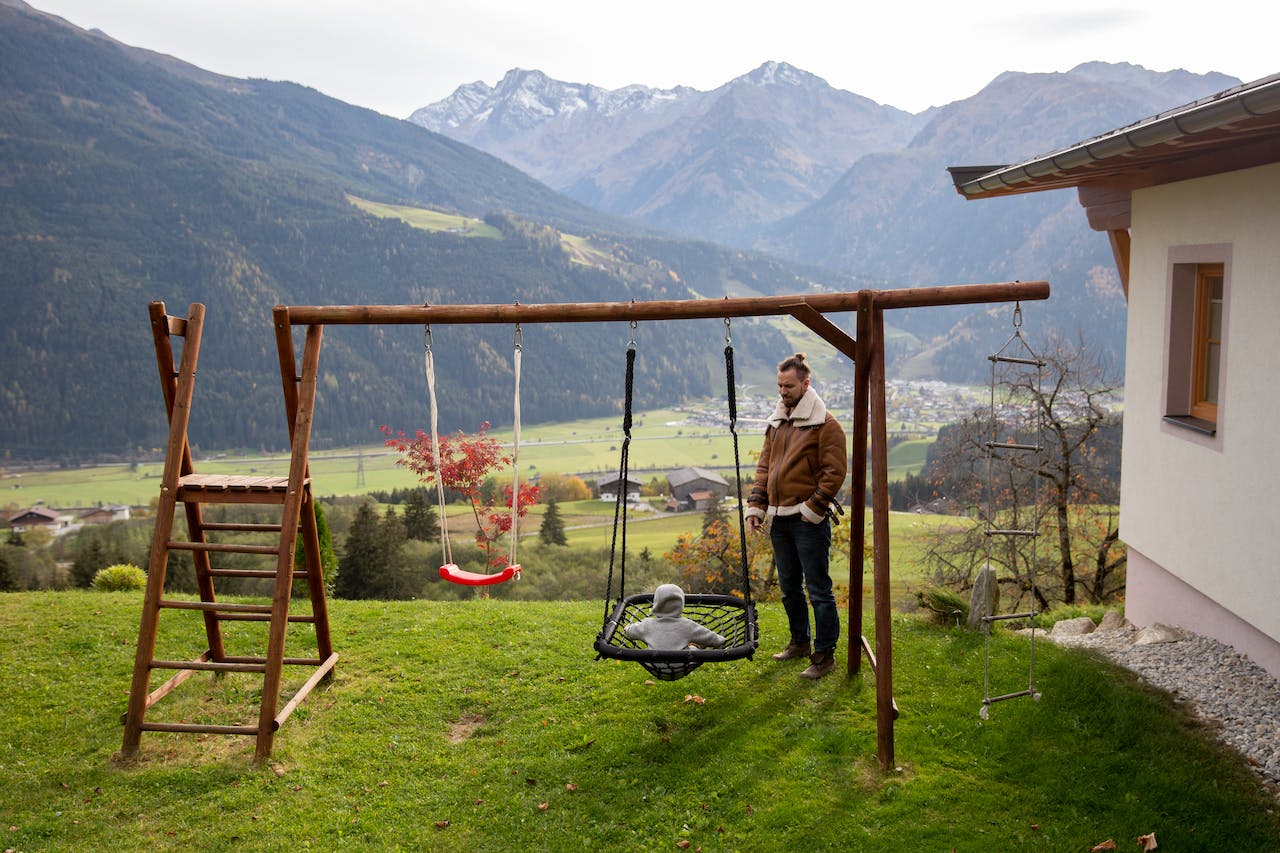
<point>1207,343</point>
<point>1196,337</point>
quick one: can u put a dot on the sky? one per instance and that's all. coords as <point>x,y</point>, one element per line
<point>395,56</point>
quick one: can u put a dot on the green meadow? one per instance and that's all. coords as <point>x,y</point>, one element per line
<point>486,725</point>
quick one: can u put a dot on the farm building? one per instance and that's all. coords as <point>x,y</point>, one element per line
<point>105,514</point>
<point>694,488</point>
<point>37,516</point>
<point>1188,200</point>
<point>609,488</point>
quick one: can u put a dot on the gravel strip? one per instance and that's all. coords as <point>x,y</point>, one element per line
<point>1219,684</point>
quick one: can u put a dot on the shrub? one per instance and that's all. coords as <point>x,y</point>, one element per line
<point>944,604</point>
<point>121,577</point>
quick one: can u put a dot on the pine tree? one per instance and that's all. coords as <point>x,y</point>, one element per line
<point>420,521</point>
<point>392,580</point>
<point>87,562</point>
<point>362,555</point>
<point>552,529</point>
<point>7,581</point>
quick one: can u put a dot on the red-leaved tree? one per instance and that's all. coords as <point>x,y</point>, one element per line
<point>465,462</point>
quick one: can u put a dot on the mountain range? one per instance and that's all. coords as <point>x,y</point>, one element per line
<point>129,176</point>
<point>716,165</point>
<point>780,162</point>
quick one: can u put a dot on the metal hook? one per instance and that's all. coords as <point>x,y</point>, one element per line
<point>632,343</point>
<point>1017,315</point>
<point>426,337</point>
<point>518,338</point>
<point>728,338</point>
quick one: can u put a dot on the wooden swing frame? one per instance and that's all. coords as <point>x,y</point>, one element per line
<point>869,416</point>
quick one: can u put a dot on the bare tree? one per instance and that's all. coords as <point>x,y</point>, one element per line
<point>1065,410</point>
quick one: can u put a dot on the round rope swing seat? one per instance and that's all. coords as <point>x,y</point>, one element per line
<point>730,616</point>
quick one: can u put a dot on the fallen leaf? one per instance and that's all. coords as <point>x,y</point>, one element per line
<point>478,801</point>
<point>1103,847</point>
<point>531,781</point>
<point>697,700</point>
<point>542,807</point>
<point>277,769</point>
<point>649,682</point>
<point>1148,841</point>
<point>683,844</point>
<point>1035,827</point>
<point>569,786</point>
<point>441,824</point>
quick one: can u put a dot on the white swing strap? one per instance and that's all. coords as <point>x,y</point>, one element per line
<point>515,450</point>
<point>430,362</point>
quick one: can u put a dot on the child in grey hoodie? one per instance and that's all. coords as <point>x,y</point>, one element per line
<point>668,628</point>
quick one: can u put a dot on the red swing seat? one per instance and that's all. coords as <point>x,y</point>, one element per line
<point>453,574</point>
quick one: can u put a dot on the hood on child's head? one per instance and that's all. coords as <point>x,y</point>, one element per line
<point>668,600</point>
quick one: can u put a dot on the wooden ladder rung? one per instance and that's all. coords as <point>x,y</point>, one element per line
<point>198,728</point>
<point>261,617</point>
<point>997,445</point>
<point>223,547</point>
<point>1001,617</point>
<point>253,573</point>
<point>210,665</point>
<point>286,661</point>
<point>251,528</point>
<point>214,606</point>
<point>1008,359</point>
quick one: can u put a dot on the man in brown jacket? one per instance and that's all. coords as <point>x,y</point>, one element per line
<point>802,467</point>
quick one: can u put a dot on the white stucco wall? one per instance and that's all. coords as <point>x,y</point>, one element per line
<point>1207,512</point>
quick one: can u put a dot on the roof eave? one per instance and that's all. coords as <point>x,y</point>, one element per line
<point>1077,164</point>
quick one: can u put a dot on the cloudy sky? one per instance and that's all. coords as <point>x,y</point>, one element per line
<point>397,55</point>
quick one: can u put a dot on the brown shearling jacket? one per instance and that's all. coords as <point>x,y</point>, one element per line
<point>802,464</point>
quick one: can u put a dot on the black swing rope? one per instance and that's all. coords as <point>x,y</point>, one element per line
<point>731,616</point>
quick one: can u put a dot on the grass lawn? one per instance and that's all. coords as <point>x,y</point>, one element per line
<point>487,725</point>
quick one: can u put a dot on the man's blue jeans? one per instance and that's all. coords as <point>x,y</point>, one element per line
<point>803,554</point>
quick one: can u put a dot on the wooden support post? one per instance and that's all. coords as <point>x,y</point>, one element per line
<point>294,501</point>
<point>177,460</point>
<point>880,535</point>
<point>858,488</point>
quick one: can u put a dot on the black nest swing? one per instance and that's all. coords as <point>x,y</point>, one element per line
<point>730,616</point>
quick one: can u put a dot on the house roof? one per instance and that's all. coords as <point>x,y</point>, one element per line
<point>631,481</point>
<point>1235,129</point>
<point>687,475</point>
<point>33,513</point>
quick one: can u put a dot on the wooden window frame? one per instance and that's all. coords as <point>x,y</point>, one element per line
<point>1201,342</point>
<point>1191,279</point>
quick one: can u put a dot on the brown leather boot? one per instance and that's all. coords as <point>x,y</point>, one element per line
<point>795,649</point>
<point>820,663</point>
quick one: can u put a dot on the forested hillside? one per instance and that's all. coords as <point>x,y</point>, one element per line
<point>129,177</point>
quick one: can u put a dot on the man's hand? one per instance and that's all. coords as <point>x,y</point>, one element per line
<point>754,523</point>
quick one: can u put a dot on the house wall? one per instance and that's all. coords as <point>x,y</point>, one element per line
<point>1199,511</point>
